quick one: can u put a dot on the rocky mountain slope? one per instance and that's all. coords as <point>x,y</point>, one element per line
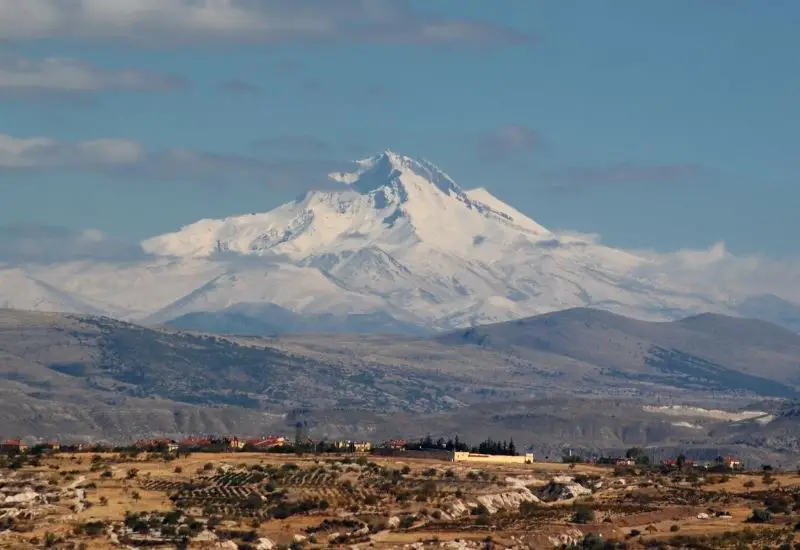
<point>708,351</point>
<point>67,375</point>
<point>399,243</point>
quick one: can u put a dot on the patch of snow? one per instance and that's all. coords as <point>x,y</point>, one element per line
<point>684,424</point>
<point>715,414</point>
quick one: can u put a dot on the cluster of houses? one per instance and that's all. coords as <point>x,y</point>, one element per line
<point>275,442</point>
<point>211,443</point>
<point>730,462</point>
<point>192,444</point>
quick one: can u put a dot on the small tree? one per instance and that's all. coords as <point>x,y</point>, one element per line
<point>759,516</point>
<point>583,515</point>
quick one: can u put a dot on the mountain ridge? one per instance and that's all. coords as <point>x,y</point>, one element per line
<point>70,375</point>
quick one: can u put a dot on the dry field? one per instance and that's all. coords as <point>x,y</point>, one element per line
<point>262,501</point>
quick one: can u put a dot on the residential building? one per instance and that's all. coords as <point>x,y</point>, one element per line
<point>13,445</point>
<point>358,446</point>
<point>731,462</point>
<point>264,443</point>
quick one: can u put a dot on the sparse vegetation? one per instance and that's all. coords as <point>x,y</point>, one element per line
<point>241,497</point>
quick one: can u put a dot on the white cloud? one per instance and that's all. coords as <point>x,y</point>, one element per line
<point>717,272</point>
<point>124,159</point>
<point>56,74</point>
<point>41,244</point>
<point>43,152</point>
<point>150,22</point>
<point>506,141</point>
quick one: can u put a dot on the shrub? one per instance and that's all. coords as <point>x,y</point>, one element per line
<point>583,515</point>
<point>90,529</point>
<point>675,528</point>
<point>759,516</point>
<point>406,522</point>
<point>172,517</point>
<point>749,483</point>
<point>51,539</point>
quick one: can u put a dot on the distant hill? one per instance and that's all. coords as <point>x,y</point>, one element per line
<point>712,351</point>
<point>271,320</point>
<point>66,375</point>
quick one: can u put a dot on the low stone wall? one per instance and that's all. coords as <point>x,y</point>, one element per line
<point>502,459</point>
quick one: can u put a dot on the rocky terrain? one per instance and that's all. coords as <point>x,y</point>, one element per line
<point>269,501</point>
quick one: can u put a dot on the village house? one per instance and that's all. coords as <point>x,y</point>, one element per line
<point>157,445</point>
<point>355,446</point>
<point>13,445</point>
<point>673,463</point>
<point>729,461</point>
<point>235,443</point>
<point>614,461</point>
<point>264,443</point>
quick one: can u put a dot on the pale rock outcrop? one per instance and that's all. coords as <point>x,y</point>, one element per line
<point>205,536</point>
<point>24,497</point>
<point>562,488</point>
<point>568,538</point>
<point>509,500</point>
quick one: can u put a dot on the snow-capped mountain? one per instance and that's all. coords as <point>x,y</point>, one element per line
<point>400,238</point>
<point>390,203</point>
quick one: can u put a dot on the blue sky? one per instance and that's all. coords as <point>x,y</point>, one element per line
<point>662,125</point>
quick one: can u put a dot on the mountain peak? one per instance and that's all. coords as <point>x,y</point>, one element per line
<point>386,168</point>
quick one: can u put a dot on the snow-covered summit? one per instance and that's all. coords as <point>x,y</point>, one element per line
<point>397,238</point>
<point>385,169</point>
<point>389,201</point>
